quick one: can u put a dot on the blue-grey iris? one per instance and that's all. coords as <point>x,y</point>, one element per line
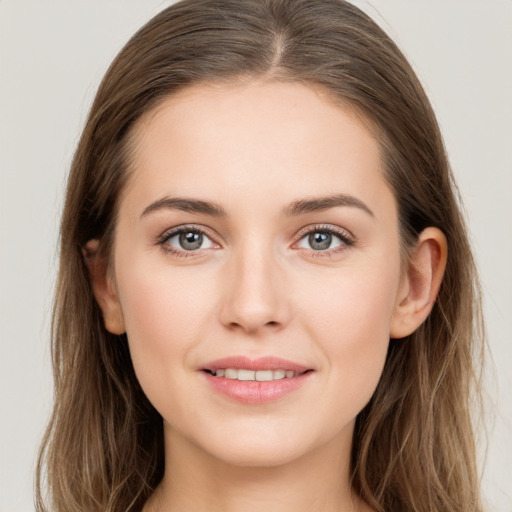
<point>190,240</point>
<point>319,241</point>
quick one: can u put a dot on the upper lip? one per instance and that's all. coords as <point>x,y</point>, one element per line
<point>259,363</point>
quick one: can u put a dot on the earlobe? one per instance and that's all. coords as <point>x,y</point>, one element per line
<point>104,289</point>
<point>421,282</point>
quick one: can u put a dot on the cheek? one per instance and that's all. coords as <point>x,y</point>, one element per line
<point>160,303</point>
<point>353,302</point>
<point>165,315</point>
<point>351,320</point>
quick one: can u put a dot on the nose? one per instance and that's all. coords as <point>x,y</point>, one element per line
<point>254,296</point>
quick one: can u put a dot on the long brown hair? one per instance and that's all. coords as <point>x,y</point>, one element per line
<point>413,446</point>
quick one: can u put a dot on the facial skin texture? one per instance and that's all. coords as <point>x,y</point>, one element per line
<point>257,288</point>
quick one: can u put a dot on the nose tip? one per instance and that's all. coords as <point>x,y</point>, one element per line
<point>251,319</point>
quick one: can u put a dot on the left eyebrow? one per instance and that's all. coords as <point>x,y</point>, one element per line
<point>318,204</point>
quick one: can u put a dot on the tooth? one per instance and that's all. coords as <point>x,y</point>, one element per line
<point>259,375</point>
<point>246,374</point>
<point>231,373</point>
<point>263,375</point>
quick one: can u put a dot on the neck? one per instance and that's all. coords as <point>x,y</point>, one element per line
<point>195,481</point>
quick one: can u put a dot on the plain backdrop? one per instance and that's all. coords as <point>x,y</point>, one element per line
<point>53,54</point>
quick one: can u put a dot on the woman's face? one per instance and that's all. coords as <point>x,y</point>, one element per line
<point>256,233</point>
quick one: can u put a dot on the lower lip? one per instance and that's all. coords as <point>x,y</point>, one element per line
<point>256,392</point>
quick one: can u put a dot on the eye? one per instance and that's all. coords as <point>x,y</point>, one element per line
<point>323,239</point>
<point>186,239</point>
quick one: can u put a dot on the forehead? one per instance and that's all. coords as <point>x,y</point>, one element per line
<point>277,140</point>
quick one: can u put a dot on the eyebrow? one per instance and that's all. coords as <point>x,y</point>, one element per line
<point>318,204</point>
<point>299,207</point>
<point>186,205</point>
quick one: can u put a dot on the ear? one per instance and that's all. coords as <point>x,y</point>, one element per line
<point>420,283</point>
<point>104,288</point>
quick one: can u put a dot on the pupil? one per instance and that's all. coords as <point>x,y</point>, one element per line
<point>190,240</point>
<point>320,241</point>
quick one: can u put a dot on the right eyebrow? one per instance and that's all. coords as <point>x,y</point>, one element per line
<point>186,205</point>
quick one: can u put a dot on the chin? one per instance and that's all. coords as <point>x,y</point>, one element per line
<point>267,446</point>
<point>255,455</point>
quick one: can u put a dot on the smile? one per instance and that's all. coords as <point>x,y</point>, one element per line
<point>256,381</point>
<point>259,375</point>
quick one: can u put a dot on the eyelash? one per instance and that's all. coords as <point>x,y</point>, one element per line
<point>347,240</point>
<point>165,237</point>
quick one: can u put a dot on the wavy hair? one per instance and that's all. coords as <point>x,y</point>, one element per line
<point>413,446</point>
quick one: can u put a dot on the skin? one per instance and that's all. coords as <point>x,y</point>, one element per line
<point>257,287</point>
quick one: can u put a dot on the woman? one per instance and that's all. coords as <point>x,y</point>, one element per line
<point>266,295</point>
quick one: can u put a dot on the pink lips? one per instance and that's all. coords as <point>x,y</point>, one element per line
<point>256,392</point>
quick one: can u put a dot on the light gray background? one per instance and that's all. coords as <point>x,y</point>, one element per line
<point>53,54</point>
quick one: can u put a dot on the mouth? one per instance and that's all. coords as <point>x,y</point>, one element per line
<point>256,381</point>
<point>256,375</point>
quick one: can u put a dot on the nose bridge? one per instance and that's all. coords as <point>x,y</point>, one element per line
<point>253,298</point>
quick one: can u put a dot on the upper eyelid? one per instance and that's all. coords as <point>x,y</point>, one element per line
<point>325,227</point>
<point>169,233</point>
<point>180,229</point>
